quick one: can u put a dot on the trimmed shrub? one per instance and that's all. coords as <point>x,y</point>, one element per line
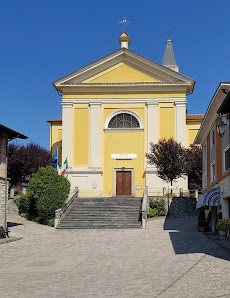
<point>153,212</point>
<point>48,203</point>
<point>47,192</point>
<point>23,203</point>
<point>159,205</point>
<point>51,222</point>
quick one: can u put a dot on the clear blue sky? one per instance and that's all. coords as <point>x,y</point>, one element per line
<point>42,41</point>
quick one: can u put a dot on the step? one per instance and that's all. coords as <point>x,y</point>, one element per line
<point>103,213</point>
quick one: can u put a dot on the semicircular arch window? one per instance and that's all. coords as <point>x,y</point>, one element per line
<point>124,120</point>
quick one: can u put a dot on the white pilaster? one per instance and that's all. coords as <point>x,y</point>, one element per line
<point>95,118</point>
<point>67,131</point>
<point>152,122</point>
<point>181,122</point>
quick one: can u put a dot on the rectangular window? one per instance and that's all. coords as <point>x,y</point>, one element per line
<point>213,138</point>
<point>213,172</point>
<point>227,159</point>
<point>204,152</point>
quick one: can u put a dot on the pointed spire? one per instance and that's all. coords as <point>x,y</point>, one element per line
<point>169,58</point>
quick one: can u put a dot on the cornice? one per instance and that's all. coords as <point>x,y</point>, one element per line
<point>122,100</point>
<point>125,88</point>
<point>84,171</point>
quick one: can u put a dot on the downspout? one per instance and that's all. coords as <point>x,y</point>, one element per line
<point>6,188</point>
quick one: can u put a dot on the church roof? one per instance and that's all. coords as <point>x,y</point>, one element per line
<point>166,75</point>
<point>195,117</point>
<point>55,120</point>
<point>169,58</point>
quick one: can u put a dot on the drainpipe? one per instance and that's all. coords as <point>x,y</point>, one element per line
<point>6,192</point>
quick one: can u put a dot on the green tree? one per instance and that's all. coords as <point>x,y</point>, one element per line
<point>193,167</point>
<point>168,156</point>
<point>23,161</point>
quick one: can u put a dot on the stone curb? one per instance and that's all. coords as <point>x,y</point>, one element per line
<point>10,239</point>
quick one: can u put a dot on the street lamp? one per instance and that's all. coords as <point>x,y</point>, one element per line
<point>221,126</point>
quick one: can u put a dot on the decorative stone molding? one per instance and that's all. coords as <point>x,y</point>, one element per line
<point>90,170</point>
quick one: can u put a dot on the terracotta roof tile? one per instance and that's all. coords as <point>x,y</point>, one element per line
<point>55,120</point>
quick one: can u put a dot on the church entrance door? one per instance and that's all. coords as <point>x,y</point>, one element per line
<point>123,183</point>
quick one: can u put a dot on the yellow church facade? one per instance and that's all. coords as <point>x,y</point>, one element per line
<point>111,110</point>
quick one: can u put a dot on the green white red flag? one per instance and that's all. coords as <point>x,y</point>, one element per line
<point>64,167</point>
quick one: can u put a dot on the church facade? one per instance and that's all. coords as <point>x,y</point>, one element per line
<point>111,110</point>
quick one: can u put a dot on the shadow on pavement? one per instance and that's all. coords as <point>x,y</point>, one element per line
<point>187,240</point>
<point>13,224</point>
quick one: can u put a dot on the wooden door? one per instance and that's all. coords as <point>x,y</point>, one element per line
<point>123,183</point>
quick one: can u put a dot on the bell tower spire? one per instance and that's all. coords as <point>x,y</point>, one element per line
<point>169,58</point>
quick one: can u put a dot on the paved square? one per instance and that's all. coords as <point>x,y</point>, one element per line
<point>168,259</point>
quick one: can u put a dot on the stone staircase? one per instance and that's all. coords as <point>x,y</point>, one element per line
<point>103,213</point>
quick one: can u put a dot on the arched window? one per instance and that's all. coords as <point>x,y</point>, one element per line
<point>123,119</point>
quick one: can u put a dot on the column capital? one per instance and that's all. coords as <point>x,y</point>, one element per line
<point>66,104</point>
<point>94,104</point>
<point>152,103</point>
<point>181,103</point>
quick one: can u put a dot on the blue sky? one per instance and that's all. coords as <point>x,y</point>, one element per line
<point>42,41</point>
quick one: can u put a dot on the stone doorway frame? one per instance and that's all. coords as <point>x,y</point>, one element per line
<point>115,170</point>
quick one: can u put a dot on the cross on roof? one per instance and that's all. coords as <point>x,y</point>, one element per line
<point>124,22</point>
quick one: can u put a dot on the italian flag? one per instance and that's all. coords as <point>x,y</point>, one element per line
<point>64,167</point>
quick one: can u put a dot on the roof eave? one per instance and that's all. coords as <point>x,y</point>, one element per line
<point>211,112</point>
<point>12,134</point>
<point>119,52</point>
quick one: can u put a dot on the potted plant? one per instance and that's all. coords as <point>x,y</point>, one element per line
<point>222,227</point>
<point>201,220</point>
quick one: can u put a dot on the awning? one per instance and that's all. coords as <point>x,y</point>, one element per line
<point>210,198</point>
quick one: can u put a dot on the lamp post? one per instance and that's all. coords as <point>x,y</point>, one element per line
<point>221,126</point>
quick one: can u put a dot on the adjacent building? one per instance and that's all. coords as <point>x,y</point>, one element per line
<point>214,136</point>
<point>111,110</point>
<point>6,134</point>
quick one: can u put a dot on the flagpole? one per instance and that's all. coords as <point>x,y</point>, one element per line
<point>57,159</point>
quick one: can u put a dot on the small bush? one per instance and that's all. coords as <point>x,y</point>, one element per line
<point>223,224</point>
<point>48,203</point>
<point>159,205</point>
<point>162,212</point>
<point>23,203</point>
<point>153,212</point>
<point>47,192</point>
<point>51,222</point>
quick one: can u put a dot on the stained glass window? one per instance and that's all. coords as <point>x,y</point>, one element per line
<point>124,120</point>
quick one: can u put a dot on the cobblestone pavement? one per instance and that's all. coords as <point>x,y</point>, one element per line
<point>168,259</point>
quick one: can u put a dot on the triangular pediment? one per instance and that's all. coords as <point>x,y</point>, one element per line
<point>123,72</point>
<point>123,66</point>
